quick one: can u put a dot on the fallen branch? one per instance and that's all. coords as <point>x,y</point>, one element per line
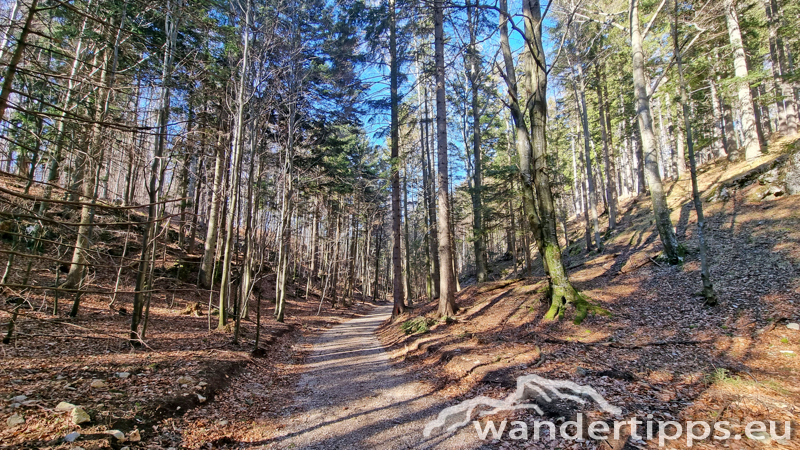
<point>496,286</point>
<point>623,270</point>
<point>76,336</point>
<point>655,262</point>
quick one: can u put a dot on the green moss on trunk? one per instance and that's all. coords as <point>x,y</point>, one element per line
<point>563,294</point>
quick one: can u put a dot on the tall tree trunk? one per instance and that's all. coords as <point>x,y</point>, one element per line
<point>447,302</point>
<point>785,104</point>
<point>13,63</point>
<point>562,293</point>
<point>55,155</point>
<point>93,162</point>
<point>171,30</point>
<point>336,216</point>
<point>752,149</point>
<point>657,194</point>
<point>430,190</point>
<point>185,178</point>
<point>705,273</point>
<point>428,241</point>
<point>378,245</point>
<point>580,97</point>
<point>474,73</point>
<point>210,243</point>
<point>409,296</point>
<point>315,243</point>
<point>608,159</point>
<point>226,290</point>
<point>521,133</point>
<point>351,263</point>
<point>397,263</point>
<point>719,144</point>
<point>284,234</point>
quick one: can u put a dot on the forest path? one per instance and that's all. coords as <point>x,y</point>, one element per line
<point>350,397</point>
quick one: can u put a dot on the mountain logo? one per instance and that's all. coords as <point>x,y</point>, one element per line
<point>531,390</point>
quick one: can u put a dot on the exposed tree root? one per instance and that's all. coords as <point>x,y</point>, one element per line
<point>561,297</point>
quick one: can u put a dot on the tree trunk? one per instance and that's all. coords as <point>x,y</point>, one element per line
<point>237,149</point>
<point>447,303</point>
<point>580,97</point>
<point>378,245</point>
<point>657,194</point>
<point>608,158</point>
<point>562,293</point>
<point>409,296</point>
<point>171,30</point>
<point>13,63</point>
<point>397,263</point>
<point>284,234</point>
<point>474,74</point>
<point>210,244</point>
<point>752,149</point>
<point>787,109</point>
<point>705,274</point>
<point>719,144</point>
<point>430,190</point>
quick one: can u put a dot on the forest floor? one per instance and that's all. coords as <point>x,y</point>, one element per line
<point>328,382</point>
<point>661,352</point>
<point>189,386</point>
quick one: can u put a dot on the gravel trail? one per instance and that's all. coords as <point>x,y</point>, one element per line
<point>350,397</point>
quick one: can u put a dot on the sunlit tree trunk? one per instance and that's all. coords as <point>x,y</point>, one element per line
<point>649,148</point>
<point>785,104</point>
<point>447,303</point>
<point>217,194</point>
<point>397,263</point>
<point>580,97</point>
<point>752,148</point>
<point>608,158</point>
<point>237,149</point>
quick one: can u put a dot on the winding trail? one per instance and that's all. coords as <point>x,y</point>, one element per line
<point>350,397</point>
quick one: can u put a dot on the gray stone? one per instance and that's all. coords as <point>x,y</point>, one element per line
<point>64,406</point>
<point>15,420</point>
<point>123,375</point>
<point>118,435</point>
<point>769,177</point>
<point>185,380</point>
<point>19,398</point>
<point>793,326</point>
<point>72,436</point>
<point>791,175</point>
<point>773,192</point>
<point>80,416</point>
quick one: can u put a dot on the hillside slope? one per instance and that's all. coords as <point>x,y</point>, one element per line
<point>661,352</point>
